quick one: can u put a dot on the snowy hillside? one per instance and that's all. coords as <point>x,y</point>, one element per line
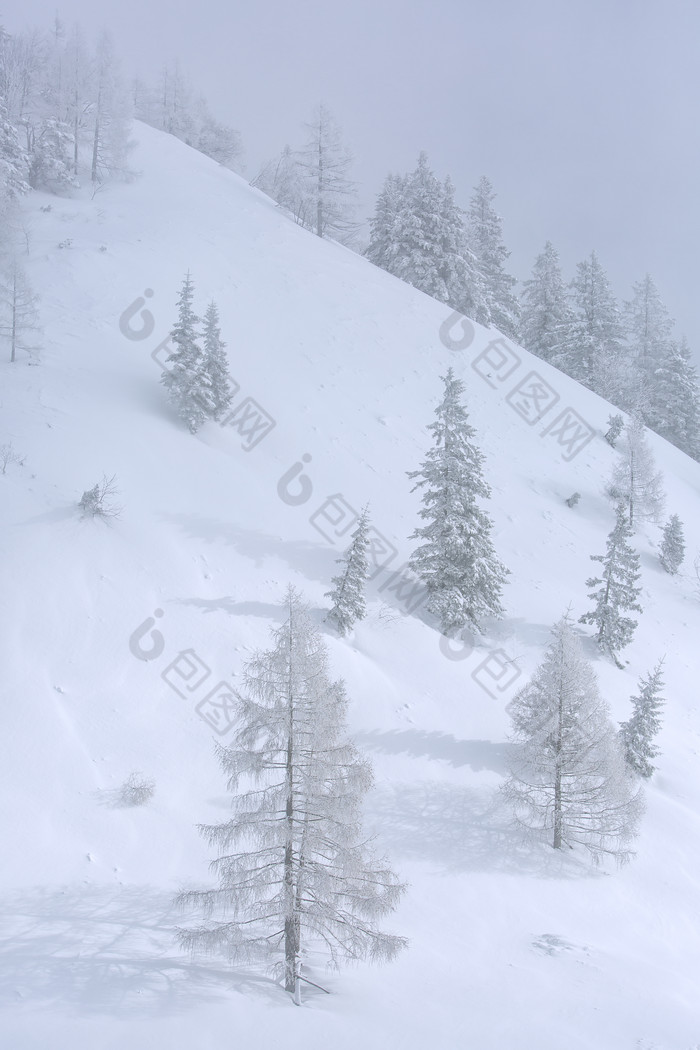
<point>339,369</point>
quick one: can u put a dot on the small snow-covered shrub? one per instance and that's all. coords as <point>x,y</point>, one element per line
<point>136,790</point>
<point>7,456</point>
<point>99,500</point>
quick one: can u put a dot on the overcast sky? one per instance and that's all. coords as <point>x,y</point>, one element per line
<point>584,115</point>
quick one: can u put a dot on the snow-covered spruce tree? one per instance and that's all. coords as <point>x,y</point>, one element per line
<point>295,873</point>
<point>635,480</point>
<point>637,734</point>
<point>382,248</point>
<point>51,156</point>
<point>464,284</point>
<point>456,560</point>
<point>595,355</point>
<point>568,780</point>
<point>485,239</point>
<point>348,593</point>
<point>416,253</point>
<point>418,235</point>
<point>618,592</point>
<point>187,384</point>
<point>650,336</point>
<point>325,165</point>
<point>215,364</point>
<point>546,316</point>
<point>672,545</point>
<point>14,161</point>
<point>675,409</point>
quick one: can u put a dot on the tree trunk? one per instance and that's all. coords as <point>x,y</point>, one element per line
<point>291,922</point>
<point>14,315</point>
<point>557,771</point>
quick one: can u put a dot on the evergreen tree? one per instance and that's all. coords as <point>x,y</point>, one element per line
<point>595,355</point>
<point>635,480</point>
<point>418,233</point>
<point>383,241</point>
<point>464,284</point>
<point>637,734</point>
<point>546,316</point>
<point>14,162</point>
<point>674,412</point>
<point>672,545</point>
<point>485,238</point>
<point>568,779</point>
<point>187,384</point>
<point>50,153</point>
<point>348,593</point>
<point>215,365</point>
<point>456,561</point>
<point>618,591</point>
<point>293,866</point>
<point>650,332</point>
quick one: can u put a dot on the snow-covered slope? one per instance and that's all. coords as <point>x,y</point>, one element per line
<point>510,947</point>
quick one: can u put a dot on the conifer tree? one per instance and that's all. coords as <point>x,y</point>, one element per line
<point>383,241</point>
<point>215,364</point>
<point>595,355</point>
<point>14,161</point>
<point>672,545</point>
<point>325,166</point>
<point>546,316</point>
<point>637,734</point>
<point>187,384</point>
<point>568,779</point>
<point>615,427</point>
<point>485,239</point>
<point>456,560</point>
<point>674,412</point>
<point>635,480</point>
<point>19,316</point>
<point>348,593</point>
<point>294,869</point>
<point>418,232</point>
<point>650,331</point>
<point>464,284</point>
<point>618,592</point>
<point>50,152</point>
<point>109,114</point>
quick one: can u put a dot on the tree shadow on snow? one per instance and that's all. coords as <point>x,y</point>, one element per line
<point>459,829</point>
<point>314,560</point>
<point>103,951</point>
<point>478,754</point>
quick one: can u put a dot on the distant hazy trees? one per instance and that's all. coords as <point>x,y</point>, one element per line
<point>313,182</point>
<point>421,235</point>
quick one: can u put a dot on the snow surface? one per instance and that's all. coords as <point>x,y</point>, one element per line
<point>511,946</point>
